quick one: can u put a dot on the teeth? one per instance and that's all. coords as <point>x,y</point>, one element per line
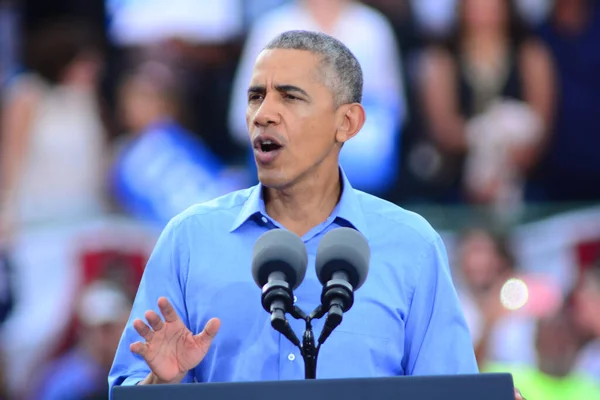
<point>268,142</point>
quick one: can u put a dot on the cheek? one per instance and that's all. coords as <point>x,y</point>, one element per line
<point>312,138</point>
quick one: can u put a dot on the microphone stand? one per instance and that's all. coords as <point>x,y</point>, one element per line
<point>308,349</point>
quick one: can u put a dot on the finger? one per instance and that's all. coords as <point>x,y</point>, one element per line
<point>167,310</point>
<point>211,329</point>
<point>138,348</point>
<point>143,329</point>
<point>154,320</point>
<point>518,395</point>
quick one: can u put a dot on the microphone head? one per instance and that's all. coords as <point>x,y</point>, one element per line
<point>279,250</point>
<point>343,249</point>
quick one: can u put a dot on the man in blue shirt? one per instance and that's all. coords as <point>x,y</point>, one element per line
<point>303,105</point>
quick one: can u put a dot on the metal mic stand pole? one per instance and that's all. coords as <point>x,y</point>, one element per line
<point>308,349</point>
<point>309,352</point>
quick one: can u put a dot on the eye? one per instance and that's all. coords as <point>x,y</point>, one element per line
<point>290,97</point>
<point>254,97</point>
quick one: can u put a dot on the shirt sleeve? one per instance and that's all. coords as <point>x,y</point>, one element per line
<point>438,341</point>
<point>162,277</point>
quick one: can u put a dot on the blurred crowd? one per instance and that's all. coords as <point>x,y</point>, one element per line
<point>117,115</point>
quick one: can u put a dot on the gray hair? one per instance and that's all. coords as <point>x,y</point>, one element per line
<point>341,68</point>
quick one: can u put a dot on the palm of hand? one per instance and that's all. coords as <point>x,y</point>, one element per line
<point>173,351</point>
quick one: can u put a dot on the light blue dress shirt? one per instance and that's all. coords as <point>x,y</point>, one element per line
<point>406,319</point>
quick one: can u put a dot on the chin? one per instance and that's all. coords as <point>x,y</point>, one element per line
<point>273,179</point>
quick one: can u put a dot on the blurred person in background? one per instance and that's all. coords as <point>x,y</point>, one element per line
<point>587,317</point>
<point>552,377</point>
<point>53,134</point>
<point>486,263</point>
<point>488,97</point>
<point>162,168</point>
<point>102,312</point>
<point>204,38</point>
<point>435,17</point>
<point>372,160</point>
<point>570,170</point>
<point>51,183</point>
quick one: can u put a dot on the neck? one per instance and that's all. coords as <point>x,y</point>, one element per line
<point>484,43</point>
<point>305,204</point>
<point>95,353</point>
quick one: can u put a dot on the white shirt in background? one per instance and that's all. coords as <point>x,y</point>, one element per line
<point>144,22</point>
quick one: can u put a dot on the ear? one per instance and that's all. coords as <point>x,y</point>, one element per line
<point>351,120</point>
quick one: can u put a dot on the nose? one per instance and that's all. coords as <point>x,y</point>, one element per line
<point>267,113</point>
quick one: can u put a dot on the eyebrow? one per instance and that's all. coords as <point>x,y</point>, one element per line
<point>279,88</point>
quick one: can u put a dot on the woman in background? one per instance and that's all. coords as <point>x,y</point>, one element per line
<point>488,99</point>
<point>51,185</point>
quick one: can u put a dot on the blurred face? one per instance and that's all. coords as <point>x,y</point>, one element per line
<point>485,14</point>
<point>587,305</point>
<point>556,347</point>
<point>140,105</point>
<point>84,70</point>
<point>480,261</point>
<point>292,117</point>
<point>106,338</point>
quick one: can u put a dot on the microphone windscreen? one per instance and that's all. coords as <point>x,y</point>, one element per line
<point>279,250</point>
<point>343,249</point>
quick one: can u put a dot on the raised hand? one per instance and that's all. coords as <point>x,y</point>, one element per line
<point>171,350</point>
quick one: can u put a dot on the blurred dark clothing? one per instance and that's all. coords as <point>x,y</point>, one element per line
<point>473,101</point>
<point>448,181</point>
<point>6,286</point>
<point>101,395</point>
<point>570,170</point>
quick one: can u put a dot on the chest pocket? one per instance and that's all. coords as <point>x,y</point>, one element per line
<point>368,343</point>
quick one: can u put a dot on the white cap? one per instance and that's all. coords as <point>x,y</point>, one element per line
<point>101,303</point>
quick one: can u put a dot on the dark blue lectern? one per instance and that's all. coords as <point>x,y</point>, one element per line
<point>454,387</point>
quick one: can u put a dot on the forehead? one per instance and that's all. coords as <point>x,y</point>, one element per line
<point>286,66</point>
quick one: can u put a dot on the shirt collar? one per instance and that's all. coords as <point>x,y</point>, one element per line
<point>348,209</point>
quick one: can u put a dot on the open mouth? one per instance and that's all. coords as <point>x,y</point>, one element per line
<point>267,145</point>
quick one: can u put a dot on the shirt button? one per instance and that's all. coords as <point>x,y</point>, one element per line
<point>291,357</point>
<point>265,220</point>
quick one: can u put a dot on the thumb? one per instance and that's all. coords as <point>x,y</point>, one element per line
<point>205,337</point>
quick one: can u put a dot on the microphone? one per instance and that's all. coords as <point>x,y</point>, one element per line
<point>342,266</point>
<point>279,263</point>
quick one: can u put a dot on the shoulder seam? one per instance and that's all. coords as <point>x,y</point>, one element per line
<point>429,240</point>
<point>180,219</point>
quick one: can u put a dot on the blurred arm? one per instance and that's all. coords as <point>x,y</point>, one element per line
<point>540,93</point>
<point>257,38</point>
<point>437,337</point>
<point>165,275</point>
<point>17,117</point>
<point>371,158</point>
<point>388,82</point>
<point>440,101</point>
